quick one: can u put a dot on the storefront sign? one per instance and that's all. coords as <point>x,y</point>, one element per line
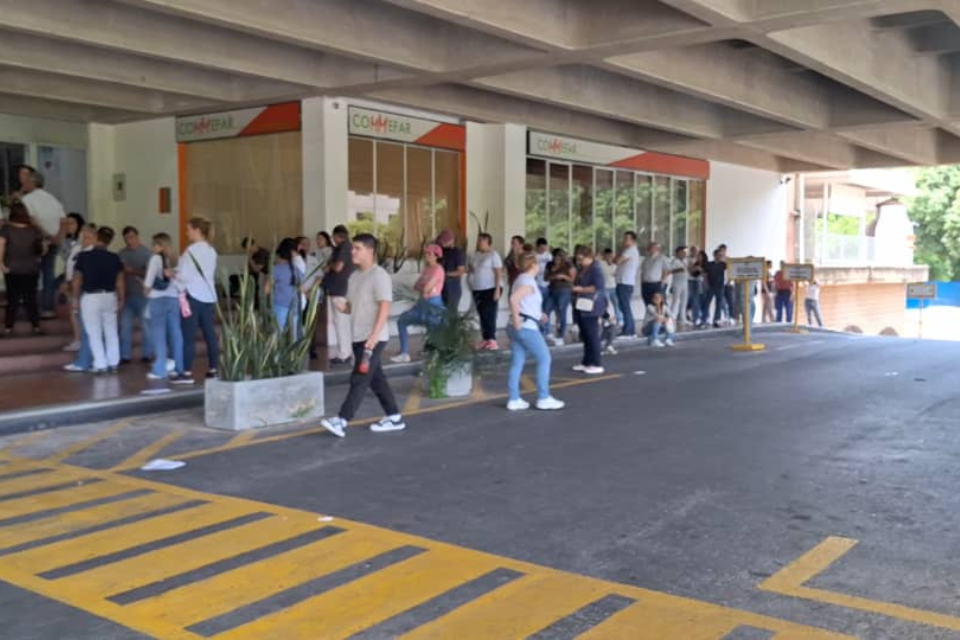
<point>242,122</point>
<point>392,126</point>
<point>798,272</point>
<point>745,269</point>
<point>596,153</point>
<point>921,290</point>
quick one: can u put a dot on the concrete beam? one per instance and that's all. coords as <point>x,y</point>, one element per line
<point>56,110</point>
<point>913,145</point>
<point>821,149</point>
<point>613,96</point>
<point>943,37</point>
<point>25,51</point>
<point>380,33</point>
<point>145,33</point>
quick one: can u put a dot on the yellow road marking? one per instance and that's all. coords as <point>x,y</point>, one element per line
<point>76,520</point>
<point>367,421</point>
<point>39,480</point>
<point>374,598</point>
<point>789,582</point>
<point>241,438</point>
<point>57,499</point>
<point>77,447</point>
<point>527,383</point>
<point>59,554</point>
<point>515,610</point>
<point>245,585</point>
<point>349,608</point>
<point>478,394</point>
<point>413,401</point>
<point>148,452</point>
<point>647,620</point>
<point>154,566</point>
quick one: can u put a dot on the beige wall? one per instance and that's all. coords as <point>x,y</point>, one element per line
<point>873,307</point>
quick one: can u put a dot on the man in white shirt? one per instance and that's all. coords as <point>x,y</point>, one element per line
<point>653,273</point>
<point>677,281</point>
<point>49,215</point>
<point>628,262</point>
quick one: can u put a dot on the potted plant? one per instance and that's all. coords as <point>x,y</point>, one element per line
<point>264,379</point>
<point>448,367</point>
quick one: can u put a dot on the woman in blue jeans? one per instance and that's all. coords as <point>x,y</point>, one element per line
<point>526,312</point>
<point>429,309</point>
<point>164,304</point>
<point>285,286</point>
<point>560,276</point>
<point>197,268</point>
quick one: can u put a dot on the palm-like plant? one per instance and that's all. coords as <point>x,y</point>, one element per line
<point>449,349</point>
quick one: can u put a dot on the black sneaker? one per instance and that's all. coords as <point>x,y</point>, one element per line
<point>124,361</point>
<point>113,370</point>
<point>146,360</point>
<point>181,380</point>
<point>213,373</point>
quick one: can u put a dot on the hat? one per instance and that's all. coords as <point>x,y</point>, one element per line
<point>434,249</point>
<point>445,237</point>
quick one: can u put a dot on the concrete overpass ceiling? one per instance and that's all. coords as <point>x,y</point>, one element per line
<point>779,84</point>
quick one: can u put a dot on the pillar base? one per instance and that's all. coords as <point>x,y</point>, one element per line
<point>749,347</point>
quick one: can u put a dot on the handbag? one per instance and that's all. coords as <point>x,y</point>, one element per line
<point>585,305</point>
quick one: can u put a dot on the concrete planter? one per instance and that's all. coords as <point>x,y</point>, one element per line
<point>238,406</point>
<point>459,384</point>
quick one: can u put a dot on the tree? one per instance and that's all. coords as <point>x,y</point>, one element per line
<point>936,211</point>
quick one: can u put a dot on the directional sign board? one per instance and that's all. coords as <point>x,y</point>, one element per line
<point>744,269</point>
<point>921,290</point>
<point>798,272</point>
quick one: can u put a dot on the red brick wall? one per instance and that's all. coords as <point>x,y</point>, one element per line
<point>872,307</point>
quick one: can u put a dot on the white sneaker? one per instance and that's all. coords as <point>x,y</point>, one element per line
<point>611,351</point>
<point>336,426</point>
<point>171,365</point>
<point>549,404</point>
<point>73,347</point>
<point>579,367</point>
<point>152,376</point>
<point>557,342</point>
<point>400,358</point>
<point>518,405</point>
<point>670,343</point>
<point>72,368</point>
<point>389,423</point>
<point>593,371</point>
<point>656,344</point>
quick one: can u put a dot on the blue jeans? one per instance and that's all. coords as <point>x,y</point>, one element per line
<point>694,301</point>
<point>428,312</point>
<point>201,317</point>
<point>84,358</point>
<point>784,303</point>
<point>624,296</point>
<point>48,270</point>
<point>165,332</point>
<point>653,330</point>
<point>558,301</point>
<point>523,342</point>
<point>133,310</point>
<point>282,312</point>
<point>713,294</point>
<point>611,295</point>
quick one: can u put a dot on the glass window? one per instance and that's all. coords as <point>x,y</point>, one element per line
<point>536,214</point>
<point>419,204</point>
<point>625,213</point>
<point>603,213</point>
<point>678,236</point>
<point>697,190</point>
<point>360,183</point>
<point>447,193</point>
<point>661,212</point>
<point>582,206</point>
<point>558,214</point>
<point>644,204</point>
<point>389,194</point>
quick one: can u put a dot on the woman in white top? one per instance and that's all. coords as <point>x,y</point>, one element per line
<point>811,302</point>
<point>163,298</point>
<point>659,319</point>
<point>526,316</point>
<point>198,265</point>
<point>485,279</point>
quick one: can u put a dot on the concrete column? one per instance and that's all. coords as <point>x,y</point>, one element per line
<point>325,164</point>
<point>101,165</point>
<point>496,180</point>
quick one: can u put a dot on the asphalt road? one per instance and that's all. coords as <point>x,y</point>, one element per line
<point>698,472</point>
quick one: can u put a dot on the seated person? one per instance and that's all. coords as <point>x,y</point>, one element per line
<point>659,320</point>
<point>429,309</point>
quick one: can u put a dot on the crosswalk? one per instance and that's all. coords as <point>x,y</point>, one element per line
<point>176,563</point>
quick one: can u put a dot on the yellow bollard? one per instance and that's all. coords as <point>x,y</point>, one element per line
<point>747,321</point>
<point>796,309</point>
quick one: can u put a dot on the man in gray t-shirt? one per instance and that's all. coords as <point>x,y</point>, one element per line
<point>653,273</point>
<point>135,258</point>
<point>369,296</point>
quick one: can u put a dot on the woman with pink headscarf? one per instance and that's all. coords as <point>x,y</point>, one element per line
<point>428,311</point>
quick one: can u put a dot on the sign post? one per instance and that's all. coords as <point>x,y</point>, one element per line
<point>921,291</point>
<point>744,271</point>
<point>797,273</point>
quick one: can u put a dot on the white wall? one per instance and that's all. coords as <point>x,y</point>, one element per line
<point>496,180</point>
<point>747,211</point>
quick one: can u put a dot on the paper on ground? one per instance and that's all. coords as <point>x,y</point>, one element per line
<point>161,464</point>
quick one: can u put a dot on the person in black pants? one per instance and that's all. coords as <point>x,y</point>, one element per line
<point>368,300</point>
<point>454,266</point>
<point>486,278</point>
<point>21,246</point>
<point>591,304</point>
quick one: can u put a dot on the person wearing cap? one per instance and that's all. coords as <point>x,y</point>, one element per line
<point>428,311</point>
<point>454,266</point>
